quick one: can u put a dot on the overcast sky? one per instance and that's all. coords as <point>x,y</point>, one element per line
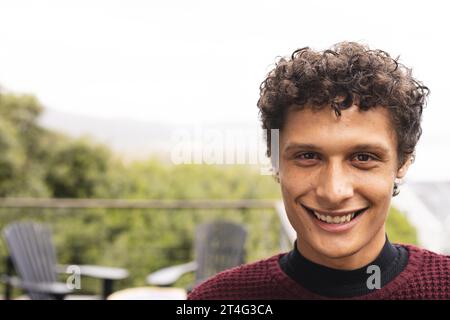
<point>202,61</point>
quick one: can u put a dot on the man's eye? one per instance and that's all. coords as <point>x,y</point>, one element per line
<point>305,156</point>
<point>363,157</point>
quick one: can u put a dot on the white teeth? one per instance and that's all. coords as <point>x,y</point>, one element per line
<point>335,220</point>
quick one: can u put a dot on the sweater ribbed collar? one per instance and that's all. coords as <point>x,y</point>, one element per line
<point>331,282</point>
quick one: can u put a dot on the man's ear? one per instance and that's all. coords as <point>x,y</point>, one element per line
<point>401,172</point>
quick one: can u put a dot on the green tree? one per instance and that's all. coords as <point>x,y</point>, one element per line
<point>12,158</point>
<point>79,170</point>
<point>20,138</point>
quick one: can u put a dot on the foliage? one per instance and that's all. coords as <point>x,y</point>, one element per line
<point>398,228</point>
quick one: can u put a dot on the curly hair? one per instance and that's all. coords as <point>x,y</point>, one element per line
<point>346,74</point>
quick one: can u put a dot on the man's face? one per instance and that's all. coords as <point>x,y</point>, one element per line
<point>349,163</point>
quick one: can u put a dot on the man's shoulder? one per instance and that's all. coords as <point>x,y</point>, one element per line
<point>428,274</point>
<point>427,258</point>
<point>244,281</point>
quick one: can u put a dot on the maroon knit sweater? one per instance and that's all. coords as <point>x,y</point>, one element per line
<point>426,276</point>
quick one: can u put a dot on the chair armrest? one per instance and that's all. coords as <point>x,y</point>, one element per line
<point>99,272</point>
<point>57,289</point>
<point>53,288</point>
<point>168,276</point>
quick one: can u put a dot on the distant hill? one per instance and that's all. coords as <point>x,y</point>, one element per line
<point>131,138</point>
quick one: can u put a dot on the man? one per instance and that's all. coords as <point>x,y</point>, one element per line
<point>349,120</point>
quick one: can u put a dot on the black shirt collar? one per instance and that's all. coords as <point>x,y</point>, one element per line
<point>342,283</point>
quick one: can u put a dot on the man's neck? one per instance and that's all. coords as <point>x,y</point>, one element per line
<point>356,260</point>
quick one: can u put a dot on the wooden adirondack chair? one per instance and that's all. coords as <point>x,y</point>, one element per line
<point>33,256</point>
<point>218,246</point>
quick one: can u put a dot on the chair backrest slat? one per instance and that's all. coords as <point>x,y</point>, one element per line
<point>218,246</point>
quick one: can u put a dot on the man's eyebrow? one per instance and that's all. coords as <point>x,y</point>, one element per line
<point>360,147</point>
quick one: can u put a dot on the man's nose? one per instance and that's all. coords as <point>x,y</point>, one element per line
<point>334,186</point>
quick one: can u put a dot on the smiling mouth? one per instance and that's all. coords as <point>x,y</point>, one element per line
<point>342,219</point>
